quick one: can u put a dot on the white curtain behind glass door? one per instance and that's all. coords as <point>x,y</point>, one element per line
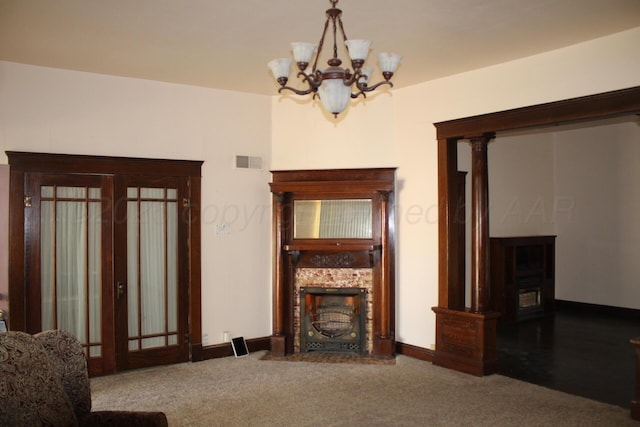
<point>152,260</point>
<point>71,262</point>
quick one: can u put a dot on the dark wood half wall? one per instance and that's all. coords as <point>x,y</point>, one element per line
<point>465,337</point>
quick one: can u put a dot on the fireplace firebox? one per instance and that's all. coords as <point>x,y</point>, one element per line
<point>522,276</point>
<point>332,320</point>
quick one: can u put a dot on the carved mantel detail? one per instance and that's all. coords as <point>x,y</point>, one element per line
<point>344,260</point>
<point>336,258</point>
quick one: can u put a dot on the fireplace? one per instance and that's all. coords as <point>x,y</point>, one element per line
<point>333,320</point>
<point>522,276</point>
<point>529,294</point>
<point>334,270</point>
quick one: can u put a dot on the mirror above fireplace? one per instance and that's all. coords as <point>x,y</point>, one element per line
<point>332,219</point>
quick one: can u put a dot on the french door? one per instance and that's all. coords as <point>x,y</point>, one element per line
<point>107,259</point>
<point>67,236</point>
<point>151,232</point>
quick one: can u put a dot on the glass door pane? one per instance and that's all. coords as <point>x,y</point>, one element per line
<point>71,262</point>
<point>152,267</point>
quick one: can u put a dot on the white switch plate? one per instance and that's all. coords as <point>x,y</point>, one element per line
<point>223,229</point>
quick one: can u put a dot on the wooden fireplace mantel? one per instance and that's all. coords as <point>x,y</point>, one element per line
<point>376,251</point>
<point>334,255</point>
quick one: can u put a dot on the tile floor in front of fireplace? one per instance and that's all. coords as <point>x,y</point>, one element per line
<point>327,357</point>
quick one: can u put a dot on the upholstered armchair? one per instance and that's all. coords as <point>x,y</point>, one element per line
<point>44,381</point>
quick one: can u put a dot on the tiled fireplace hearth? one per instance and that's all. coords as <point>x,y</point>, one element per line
<point>334,245</point>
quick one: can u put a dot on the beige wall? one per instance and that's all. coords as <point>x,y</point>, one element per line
<point>597,66</point>
<point>521,192</point>
<point>597,247</point>
<point>58,111</point>
<point>305,137</point>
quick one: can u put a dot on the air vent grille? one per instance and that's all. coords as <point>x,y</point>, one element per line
<point>248,162</point>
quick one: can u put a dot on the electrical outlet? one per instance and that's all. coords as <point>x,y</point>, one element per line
<point>205,339</point>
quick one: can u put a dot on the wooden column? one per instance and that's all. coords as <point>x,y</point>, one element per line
<point>384,343</point>
<point>278,339</point>
<point>635,403</point>
<point>480,291</point>
<point>460,220</point>
<point>450,285</point>
<point>466,338</point>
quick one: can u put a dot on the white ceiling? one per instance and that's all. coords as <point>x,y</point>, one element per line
<point>226,44</point>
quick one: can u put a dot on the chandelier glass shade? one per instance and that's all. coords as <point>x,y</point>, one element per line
<point>334,85</point>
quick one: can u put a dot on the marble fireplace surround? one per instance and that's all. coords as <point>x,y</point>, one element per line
<point>346,268</point>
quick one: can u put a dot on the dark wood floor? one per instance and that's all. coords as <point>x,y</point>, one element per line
<point>579,349</point>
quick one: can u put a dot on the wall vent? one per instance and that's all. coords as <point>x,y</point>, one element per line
<point>248,162</point>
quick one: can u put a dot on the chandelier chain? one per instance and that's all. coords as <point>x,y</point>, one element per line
<point>320,44</point>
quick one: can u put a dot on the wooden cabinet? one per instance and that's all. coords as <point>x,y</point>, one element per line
<point>522,273</point>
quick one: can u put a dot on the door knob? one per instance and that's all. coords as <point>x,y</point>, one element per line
<point>120,287</point>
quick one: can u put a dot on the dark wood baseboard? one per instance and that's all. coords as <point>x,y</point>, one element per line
<point>196,352</point>
<point>225,349</point>
<point>416,352</point>
<point>620,312</point>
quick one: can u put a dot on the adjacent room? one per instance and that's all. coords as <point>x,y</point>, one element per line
<point>147,142</point>
<point>580,184</point>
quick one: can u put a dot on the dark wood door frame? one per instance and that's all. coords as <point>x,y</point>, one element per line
<point>22,163</point>
<point>466,337</point>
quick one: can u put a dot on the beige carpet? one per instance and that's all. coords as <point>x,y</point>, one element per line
<point>250,391</point>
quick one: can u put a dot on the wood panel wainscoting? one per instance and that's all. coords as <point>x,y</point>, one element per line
<point>466,336</point>
<point>371,246</point>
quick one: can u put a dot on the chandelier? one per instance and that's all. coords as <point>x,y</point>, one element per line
<point>334,85</point>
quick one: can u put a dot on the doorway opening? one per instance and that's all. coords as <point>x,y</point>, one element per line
<point>451,278</point>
